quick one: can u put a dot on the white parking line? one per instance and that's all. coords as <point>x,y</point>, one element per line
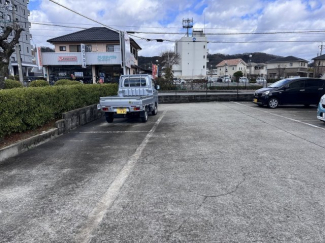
<point>305,123</point>
<point>98,213</point>
<point>98,132</point>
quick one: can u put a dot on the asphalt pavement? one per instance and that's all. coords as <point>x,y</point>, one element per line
<point>196,172</point>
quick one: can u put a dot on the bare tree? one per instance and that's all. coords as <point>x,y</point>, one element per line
<point>169,58</point>
<point>7,48</point>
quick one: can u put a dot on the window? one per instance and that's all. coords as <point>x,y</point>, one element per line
<point>63,48</point>
<point>88,48</point>
<point>297,84</point>
<point>109,48</point>
<point>204,47</point>
<point>15,7</point>
<point>27,50</point>
<point>203,66</point>
<point>75,48</point>
<point>291,64</point>
<point>134,82</point>
<point>203,56</point>
<point>314,83</point>
<point>9,18</point>
<point>12,59</point>
<point>26,37</point>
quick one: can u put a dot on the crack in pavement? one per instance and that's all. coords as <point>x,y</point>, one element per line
<point>205,197</point>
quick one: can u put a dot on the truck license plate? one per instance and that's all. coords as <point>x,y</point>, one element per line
<point>121,111</point>
<point>255,100</point>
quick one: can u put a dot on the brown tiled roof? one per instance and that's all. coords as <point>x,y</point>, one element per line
<point>231,62</point>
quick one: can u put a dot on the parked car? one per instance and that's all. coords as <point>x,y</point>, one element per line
<point>178,81</point>
<point>260,80</point>
<point>321,109</point>
<point>243,80</point>
<point>304,91</point>
<point>226,80</point>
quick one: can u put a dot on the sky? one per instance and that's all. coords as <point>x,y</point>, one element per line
<point>278,27</point>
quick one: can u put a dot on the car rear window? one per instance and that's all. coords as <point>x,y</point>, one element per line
<point>134,82</point>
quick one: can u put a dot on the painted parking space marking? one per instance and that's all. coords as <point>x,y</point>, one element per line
<point>291,119</point>
<point>98,213</point>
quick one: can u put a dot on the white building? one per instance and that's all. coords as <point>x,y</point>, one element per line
<point>16,11</point>
<point>193,56</point>
<point>229,67</point>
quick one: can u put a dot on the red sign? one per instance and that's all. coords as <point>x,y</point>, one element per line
<point>154,71</point>
<point>67,59</point>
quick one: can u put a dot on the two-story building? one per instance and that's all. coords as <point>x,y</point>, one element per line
<point>90,55</point>
<point>319,66</point>
<point>284,67</point>
<point>255,70</point>
<point>229,67</point>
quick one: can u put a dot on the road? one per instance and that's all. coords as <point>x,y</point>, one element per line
<point>196,172</point>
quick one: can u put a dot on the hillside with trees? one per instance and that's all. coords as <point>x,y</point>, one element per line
<point>214,59</point>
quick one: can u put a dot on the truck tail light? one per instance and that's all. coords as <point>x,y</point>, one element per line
<point>136,108</point>
<point>105,108</point>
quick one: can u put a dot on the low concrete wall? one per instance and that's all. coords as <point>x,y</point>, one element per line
<point>27,144</point>
<point>167,99</point>
<point>71,120</point>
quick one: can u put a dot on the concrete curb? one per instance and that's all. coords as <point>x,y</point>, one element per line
<point>27,144</point>
<point>71,120</point>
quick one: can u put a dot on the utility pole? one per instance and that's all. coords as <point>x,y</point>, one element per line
<point>17,47</point>
<point>321,49</point>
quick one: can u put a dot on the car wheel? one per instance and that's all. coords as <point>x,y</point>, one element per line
<point>155,111</point>
<point>273,103</point>
<point>145,117</point>
<point>109,117</point>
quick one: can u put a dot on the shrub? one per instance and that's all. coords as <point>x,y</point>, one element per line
<point>29,108</point>
<point>39,83</point>
<point>66,82</point>
<point>11,84</point>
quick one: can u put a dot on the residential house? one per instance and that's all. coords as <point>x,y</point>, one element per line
<point>90,55</point>
<point>284,67</point>
<point>229,67</point>
<point>255,70</point>
<point>193,55</point>
<point>319,66</point>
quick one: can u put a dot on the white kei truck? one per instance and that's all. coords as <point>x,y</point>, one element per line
<point>137,96</point>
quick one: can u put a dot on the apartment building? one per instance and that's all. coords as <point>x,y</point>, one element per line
<point>16,11</point>
<point>319,66</point>
<point>193,54</point>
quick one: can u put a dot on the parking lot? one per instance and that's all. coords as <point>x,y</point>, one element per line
<point>196,172</point>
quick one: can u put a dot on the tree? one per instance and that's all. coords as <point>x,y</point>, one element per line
<point>238,74</point>
<point>169,58</point>
<point>7,48</point>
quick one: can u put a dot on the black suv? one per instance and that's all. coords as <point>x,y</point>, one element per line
<point>304,91</point>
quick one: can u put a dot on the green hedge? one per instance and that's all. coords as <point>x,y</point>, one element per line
<point>39,83</point>
<point>66,82</point>
<point>12,84</point>
<point>29,108</point>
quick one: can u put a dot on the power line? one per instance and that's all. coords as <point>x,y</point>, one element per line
<point>85,16</point>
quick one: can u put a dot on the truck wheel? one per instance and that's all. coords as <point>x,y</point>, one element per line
<point>109,117</point>
<point>145,116</point>
<point>155,111</point>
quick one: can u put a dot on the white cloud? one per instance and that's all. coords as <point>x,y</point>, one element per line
<point>214,16</point>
